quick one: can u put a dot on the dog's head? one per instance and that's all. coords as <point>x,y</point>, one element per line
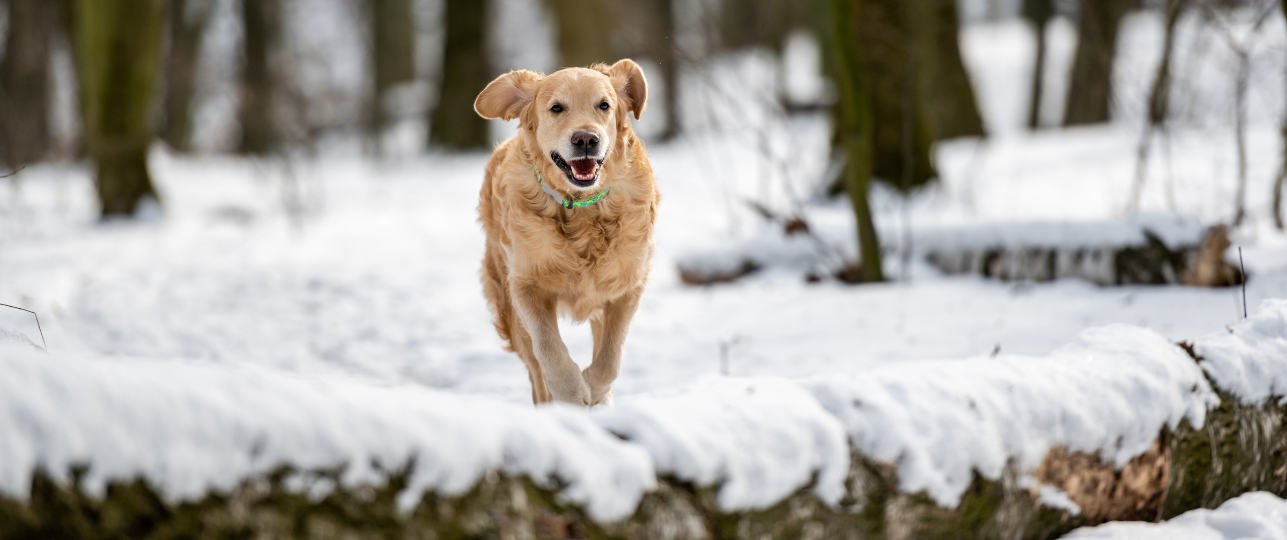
<point>575,118</point>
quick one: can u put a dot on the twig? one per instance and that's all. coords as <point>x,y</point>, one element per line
<point>33,314</point>
<point>1242,48</point>
<point>1242,268</point>
<point>725,347</point>
<point>15,171</point>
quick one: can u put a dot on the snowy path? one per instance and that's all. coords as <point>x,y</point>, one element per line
<point>380,281</point>
<point>379,278</point>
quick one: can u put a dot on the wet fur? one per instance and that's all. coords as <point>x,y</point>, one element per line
<point>543,260</point>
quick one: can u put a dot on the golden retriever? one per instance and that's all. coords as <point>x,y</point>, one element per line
<point>568,205</point>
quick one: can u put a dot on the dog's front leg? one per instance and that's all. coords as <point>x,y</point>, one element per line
<point>609,339</point>
<point>537,309</point>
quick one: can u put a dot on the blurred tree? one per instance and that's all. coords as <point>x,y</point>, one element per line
<point>855,122</point>
<point>393,48</point>
<point>118,57</point>
<point>919,87</point>
<point>1090,92</point>
<point>24,82</point>
<point>1159,100</point>
<point>262,24</point>
<point>649,36</point>
<point>763,23</point>
<point>943,87</point>
<point>1282,172</point>
<point>187,26</point>
<point>585,31</point>
<point>604,31</point>
<point>903,135</point>
<point>465,72</point>
<point>1038,13</point>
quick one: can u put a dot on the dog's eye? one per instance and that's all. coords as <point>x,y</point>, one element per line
<point>556,109</point>
<point>603,106</point>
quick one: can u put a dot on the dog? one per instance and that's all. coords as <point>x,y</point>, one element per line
<point>568,206</point>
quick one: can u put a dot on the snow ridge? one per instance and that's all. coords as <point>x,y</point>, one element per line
<point>1251,516</point>
<point>941,421</point>
<point>1250,360</point>
<point>191,426</point>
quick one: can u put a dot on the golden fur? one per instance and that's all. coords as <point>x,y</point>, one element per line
<point>543,260</point>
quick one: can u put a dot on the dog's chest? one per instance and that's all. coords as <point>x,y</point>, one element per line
<point>590,238</point>
<point>607,255</point>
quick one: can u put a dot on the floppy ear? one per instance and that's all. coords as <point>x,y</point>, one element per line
<point>506,96</point>
<point>628,77</point>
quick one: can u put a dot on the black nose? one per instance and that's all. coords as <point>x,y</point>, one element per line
<point>586,141</point>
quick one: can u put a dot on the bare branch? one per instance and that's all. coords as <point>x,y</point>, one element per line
<point>33,314</point>
<point>16,171</point>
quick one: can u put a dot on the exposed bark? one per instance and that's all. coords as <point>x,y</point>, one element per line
<point>943,87</point>
<point>585,32</point>
<point>465,72</point>
<point>392,57</point>
<point>262,22</point>
<point>1038,13</point>
<point>855,123</point>
<point>118,45</point>
<point>24,82</point>
<point>187,26</point>
<point>1090,93</point>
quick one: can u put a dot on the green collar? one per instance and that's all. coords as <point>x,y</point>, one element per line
<point>564,202</point>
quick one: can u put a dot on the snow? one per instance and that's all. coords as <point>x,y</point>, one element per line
<point>191,426</point>
<point>1250,360</point>
<point>326,309</point>
<point>762,439</point>
<point>1112,392</point>
<point>1252,516</point>
<point>1053,497</point>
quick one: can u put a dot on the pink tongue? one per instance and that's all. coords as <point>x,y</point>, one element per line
<point>582,167</point>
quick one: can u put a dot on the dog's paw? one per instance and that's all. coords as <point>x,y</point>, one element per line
<point>572,389</point>
<point>604,399</point>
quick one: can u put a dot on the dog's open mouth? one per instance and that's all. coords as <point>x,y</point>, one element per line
<point>582,172</point>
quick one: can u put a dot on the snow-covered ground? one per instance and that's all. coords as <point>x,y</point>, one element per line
<point>351,287</point>
<point>1258,516</point>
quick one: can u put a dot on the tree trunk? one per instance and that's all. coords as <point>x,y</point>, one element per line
<point>1038,13</point>
<point>585,32</point>
<point>261,20</point>
<point>393,48</point>
<point>465,72</point>
<point>118,45</point>
<point>1159,102</point>
<point>902,133</point>
<point>24,83</point>
<point>665,54</point>
<point>187,26</point>
<point>855,123</point>
<point>1282,172</point>
<point>1090,93</point>
<point>762,23</point>
<point>944,89</point>
<point>650,38</point>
